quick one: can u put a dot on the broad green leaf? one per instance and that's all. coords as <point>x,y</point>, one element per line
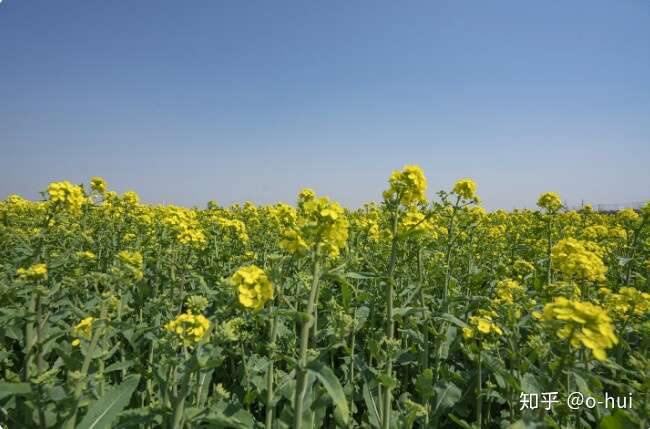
<point>453,319</point>
<point>10,389</point>
<point>618,420</point>
<point>327,378</point>
<point>105,410</point>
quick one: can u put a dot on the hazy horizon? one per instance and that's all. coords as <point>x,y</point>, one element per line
<point>228,101</point>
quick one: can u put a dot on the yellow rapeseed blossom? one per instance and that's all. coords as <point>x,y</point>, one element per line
<point>235,226</point>
<point>627,302</point>
<point>68,195</point>
<point>131,258</point>
<point>550,201</point>
<point>579,260</point>
<point>98,184</point>
<point>86,255</point>
<point>83,330</point>
<point>321,224</point>
<point>367,221</point>
<point>189,328</point>
<point>35,272</point>
<point>253,285</point>
<point>508,291</point>
<point>465,188</point>
<point>185,224</point>
<point>133,261</point>
<point>628,216</point>
<point>130,198</point>
<point>407,187</point>
<point>482,324</point>
<point>582,323</point>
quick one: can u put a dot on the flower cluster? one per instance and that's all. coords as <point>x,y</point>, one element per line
<point>235,226</point>
<point>189,328</point>
<point>550,201</point>
<point>582,323</point>
<point>133,262</point>
<point>184,222</point>
<point>366,221</point>
<point>67,195</point>
<point>98,184</point>
<point>86,255</point>
<point>483,324</point>
<point>508,291</point>
<point>579,260</point>
<point>465,188</point>
<point>322,224</point>
<point>35,272</point>
<point>414,222</point>
<point>627,302</point>
<point>130,198</point>
<point>253,285</point>
<point>83,329</point>
<point>407,187</point>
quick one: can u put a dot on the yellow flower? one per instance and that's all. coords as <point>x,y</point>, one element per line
<point>253,285</point>
<point>292,242</point>
<point>98,184</point>
<point>550,201</point>
<point>582,323</point>
<point>131,258</point>
<point>627,302</point>
<point>508,291</point>
<point>189,328</point>
<point>483,323</point>
<point>627,216</point>
<point>133,261</point>
<point>185,225</point>
<point>465,188</point>
<point>578,259</point>
<point>83,329</point>
<point>68,195</point>
<point>130,198</point>
<point>87,255</point>
<point>321,224</point>
<point>408,186</point>
<point>306,195</point>
<point>234,226</point>
<point>35,272</point>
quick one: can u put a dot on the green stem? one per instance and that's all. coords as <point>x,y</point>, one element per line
<point>479,387</point>
<point>305,325</point>
<point>390,323</point>
<point>549,268</point>
<point>81,383</point>
<point>179,400</point>
<point>269,373</point>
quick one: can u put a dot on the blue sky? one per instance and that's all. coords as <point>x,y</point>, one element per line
<point>185,102</point>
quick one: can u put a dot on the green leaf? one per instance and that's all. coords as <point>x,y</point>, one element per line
<point>447,395</point>
<point>117,366</point>
<point>106,409</point>
<point>10,389</point>
<point>327,378</point>
<point>618,420</point>
<point>371,406</point>
<point>453,319</point>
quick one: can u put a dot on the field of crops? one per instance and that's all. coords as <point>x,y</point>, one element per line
<point>422,310</point>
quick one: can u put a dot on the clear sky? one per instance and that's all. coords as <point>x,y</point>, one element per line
<point>188,101</point>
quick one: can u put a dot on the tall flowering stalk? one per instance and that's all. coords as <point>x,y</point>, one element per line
<point>407,189</point>
<point>551,203</point>
<point>320,231</point>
